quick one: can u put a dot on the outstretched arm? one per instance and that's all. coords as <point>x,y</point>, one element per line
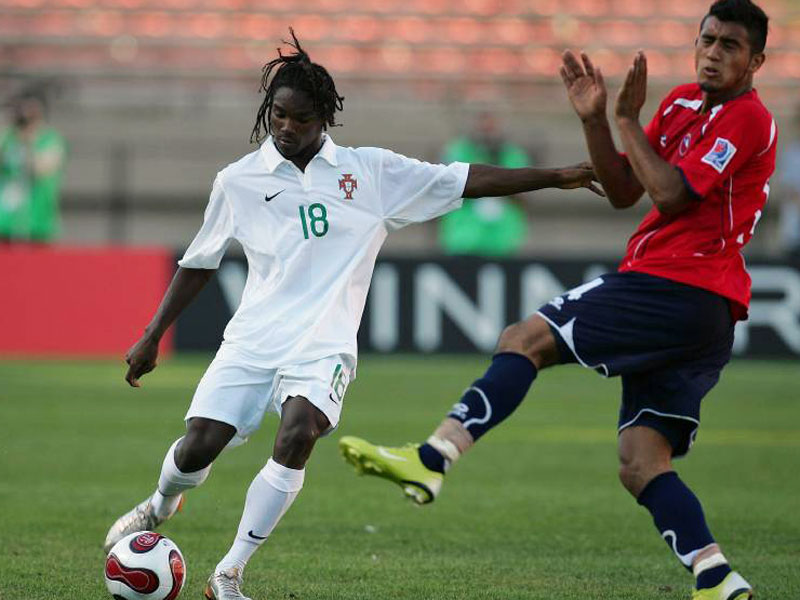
<point>663,182</point>
<point>186,284</point>
<point>486,180</point>
<point>587,93</point>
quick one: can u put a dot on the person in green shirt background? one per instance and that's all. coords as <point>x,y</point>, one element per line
<point>485,226</point>
<point>31,166</point>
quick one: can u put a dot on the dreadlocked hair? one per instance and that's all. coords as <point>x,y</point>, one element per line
<point>296,71</point>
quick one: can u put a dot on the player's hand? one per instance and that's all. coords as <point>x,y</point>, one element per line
<point>580,176</point>
<point>632,95</point>
<point>585,86</point>
<point>141,359</point>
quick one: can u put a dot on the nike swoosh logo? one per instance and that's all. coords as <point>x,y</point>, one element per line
<point>254,536</point>
<point>267,198</point>
<point>386,454</point>
<point>332,398</point>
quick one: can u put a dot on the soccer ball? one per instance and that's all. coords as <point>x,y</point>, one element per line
<point>145,566</point>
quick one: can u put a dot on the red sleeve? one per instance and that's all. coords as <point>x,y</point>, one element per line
<point>732,137</point>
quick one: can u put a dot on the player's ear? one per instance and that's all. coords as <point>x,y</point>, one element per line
<point>757,61</point>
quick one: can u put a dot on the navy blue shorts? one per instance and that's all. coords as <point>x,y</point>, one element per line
<point>668,341</point>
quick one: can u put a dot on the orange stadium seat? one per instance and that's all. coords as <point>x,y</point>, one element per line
<point>358,28</point>
<point>671,33</point>
<point>259,27</point>
<point>103,23</point>
<point>313,27</point>
<point>544,8</point>
<point>444,60</point>
<point>634,8</point>
<point>52,23</point>
<point>541,61</point>
<point>463,30</point>
<point>593,8</point>
<point>618,33</point>
<point>412,29</point>
<point>513,31</point>
<point>394,59</point>
<point>482,7</point>
<point>429,7</point>
<point>683,8</point>
<point>510,39</point>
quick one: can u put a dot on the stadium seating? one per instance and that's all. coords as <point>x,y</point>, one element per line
<point>406,39</point>
<point>159,94</point>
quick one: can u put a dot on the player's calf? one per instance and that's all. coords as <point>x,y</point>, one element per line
<point>645,456</point>
<point>522,350</point>
<point>204,440</point>
<point>271,493</point>
<point>483,406</point>
<point>162,505</point>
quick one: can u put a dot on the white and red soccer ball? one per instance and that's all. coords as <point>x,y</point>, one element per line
<point>145,566</point>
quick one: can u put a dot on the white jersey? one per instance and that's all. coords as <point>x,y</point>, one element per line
<point>311,239</point>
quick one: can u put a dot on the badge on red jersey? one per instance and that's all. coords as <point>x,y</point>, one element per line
<point>685,143</point>
<point>720,154</point>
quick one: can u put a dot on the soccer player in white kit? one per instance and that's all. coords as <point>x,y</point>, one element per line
<point>311,217</point>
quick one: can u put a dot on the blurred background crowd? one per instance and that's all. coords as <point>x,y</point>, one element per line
<point>130,107</point>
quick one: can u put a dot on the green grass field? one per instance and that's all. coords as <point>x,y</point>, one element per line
<point>534,512</point>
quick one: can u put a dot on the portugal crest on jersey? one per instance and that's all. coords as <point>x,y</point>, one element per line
<point>348,184</point>
<point>720,154</point>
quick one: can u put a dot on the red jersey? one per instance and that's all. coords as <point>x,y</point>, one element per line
<point>726,157</point>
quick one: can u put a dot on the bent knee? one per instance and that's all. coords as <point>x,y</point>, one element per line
<point>203,442</point>
<point>634,475</point>
<point>299,436</point>
<point>531,338</point>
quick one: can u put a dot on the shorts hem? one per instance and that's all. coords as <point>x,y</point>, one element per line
<point>680,447</point>
<point>601,368</point>
<point>216,416</point>
<point>658,414</point>
<point>330,409</point>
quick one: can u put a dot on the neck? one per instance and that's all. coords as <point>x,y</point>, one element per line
<point>301,160</point>
<point>712,99</point>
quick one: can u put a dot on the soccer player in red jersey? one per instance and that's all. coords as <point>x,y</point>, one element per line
<point>664,322</point>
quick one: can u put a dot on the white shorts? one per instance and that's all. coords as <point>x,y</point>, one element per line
<point>239,394</point>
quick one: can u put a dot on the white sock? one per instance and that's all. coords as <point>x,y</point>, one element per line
<point>172,482</point>
<point>270,495</point>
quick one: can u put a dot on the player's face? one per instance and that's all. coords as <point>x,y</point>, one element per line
<point>723,57</point>
<point>295,126</point>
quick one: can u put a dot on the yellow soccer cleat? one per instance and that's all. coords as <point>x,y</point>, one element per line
<point>401,465</point>
<point>733,587</point>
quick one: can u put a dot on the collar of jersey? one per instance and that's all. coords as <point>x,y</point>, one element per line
<point>273,158</point>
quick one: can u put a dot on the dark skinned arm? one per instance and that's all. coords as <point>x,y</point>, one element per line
<point>587,92</point>
<point>613,171</point>
<point>185,285</point>
<point>487,180</point>
<point>663,181</point>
